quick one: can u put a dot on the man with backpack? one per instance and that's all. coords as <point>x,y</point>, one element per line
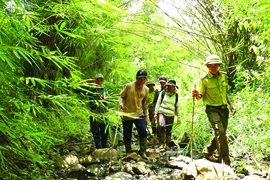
<point>166,108</point>
<point>162,81</point>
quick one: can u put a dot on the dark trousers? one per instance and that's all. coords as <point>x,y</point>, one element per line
<point>98,129</point>
<point>219,121</point>
<point>152,121</point>
<point>140,126</point>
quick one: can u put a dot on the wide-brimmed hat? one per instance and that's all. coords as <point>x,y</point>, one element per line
<point>213,59</point>
<point>141,74</point>
<point>172,83</point>
<point>150,83</point>
<point>162,79</point>
<point>99,76</point>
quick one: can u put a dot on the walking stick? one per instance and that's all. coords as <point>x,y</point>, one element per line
<point>192,121</point>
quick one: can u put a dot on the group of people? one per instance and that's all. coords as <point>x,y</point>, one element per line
<point>139,102</point>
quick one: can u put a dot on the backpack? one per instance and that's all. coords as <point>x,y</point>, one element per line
<point>163,94</point>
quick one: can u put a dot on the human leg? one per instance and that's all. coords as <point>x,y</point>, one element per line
<point>153,122</point>
<point>127,133</point>
<point>219,125</point>
<point>169,124</point>
<point>95,130</point>
<point>141,128</point>
<point>162,129</point>
<point>104,132</point>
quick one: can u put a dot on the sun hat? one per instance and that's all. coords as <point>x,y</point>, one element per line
<point>150,83</point>
<point>172,83</point>
<point>213,59</point>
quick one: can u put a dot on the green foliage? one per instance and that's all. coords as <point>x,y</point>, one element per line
<point>49,50</point>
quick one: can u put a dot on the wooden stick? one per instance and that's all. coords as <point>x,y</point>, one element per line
<point>192,122</point>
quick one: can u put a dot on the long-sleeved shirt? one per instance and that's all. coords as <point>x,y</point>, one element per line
<point>167,106</point>
<point>134,100</point>
<point>97,103</point>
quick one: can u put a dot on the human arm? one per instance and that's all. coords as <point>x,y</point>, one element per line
<point>157,106</point>
<point>122,96</point>
<point>177,112</point>
<point>232,108</point>
<point>145,106</point>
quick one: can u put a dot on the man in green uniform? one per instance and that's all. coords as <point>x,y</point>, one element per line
<point>151,107</point>
<point>98,108</point>
<point>213,91</point>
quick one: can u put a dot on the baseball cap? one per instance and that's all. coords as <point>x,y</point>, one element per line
<point>99,76</point>
<point>141,74</point>
<point>162,79</point>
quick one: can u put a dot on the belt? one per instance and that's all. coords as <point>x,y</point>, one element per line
<point>217,107</point>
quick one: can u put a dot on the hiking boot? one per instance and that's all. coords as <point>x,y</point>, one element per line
<point>162,146</point>
<point>142,151</point>
<point>128,147</point>
<point>143,154</point>
<point>168,141</point>
<point>167,148</point>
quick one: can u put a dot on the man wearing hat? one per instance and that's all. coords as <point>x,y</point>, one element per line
<point>98,108</point>
<point>133,102</point>
<point>162,81</point>
<point>166,108</point>
<point>213,91</point>
<point>151,107</point>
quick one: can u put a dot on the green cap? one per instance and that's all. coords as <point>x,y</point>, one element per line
<point>99,76</point>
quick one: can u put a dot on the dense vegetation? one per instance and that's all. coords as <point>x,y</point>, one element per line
<point>50,49</point>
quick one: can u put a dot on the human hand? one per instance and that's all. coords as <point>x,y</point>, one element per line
<point>233,109</point>
<point>155,117</point>
<point>179,121</point>
<point>122,107</point>
<point>195,94</point>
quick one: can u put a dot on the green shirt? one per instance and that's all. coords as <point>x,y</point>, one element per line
<point>214,89</point>
<point>151,98</point>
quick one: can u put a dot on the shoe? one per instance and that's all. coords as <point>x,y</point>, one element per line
<point>162,146</point>
<point>143,155</point>
<point>167,148</point>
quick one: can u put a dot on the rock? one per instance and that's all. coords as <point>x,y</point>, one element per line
<point>128,168</point>
<point>119,176</point>
<point>252,177</point>
<point>177,164</point>
<point>209,170</point>
<point>131,156</point>
<point>152,154</point>
<point>190,170</point>
<point>140,168</point>
<point>106,154</point>
<point>88,160</point>
<point>70,163</point>
<point>183,159</point>
<point>268,174</point>
<point>96,170</point>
